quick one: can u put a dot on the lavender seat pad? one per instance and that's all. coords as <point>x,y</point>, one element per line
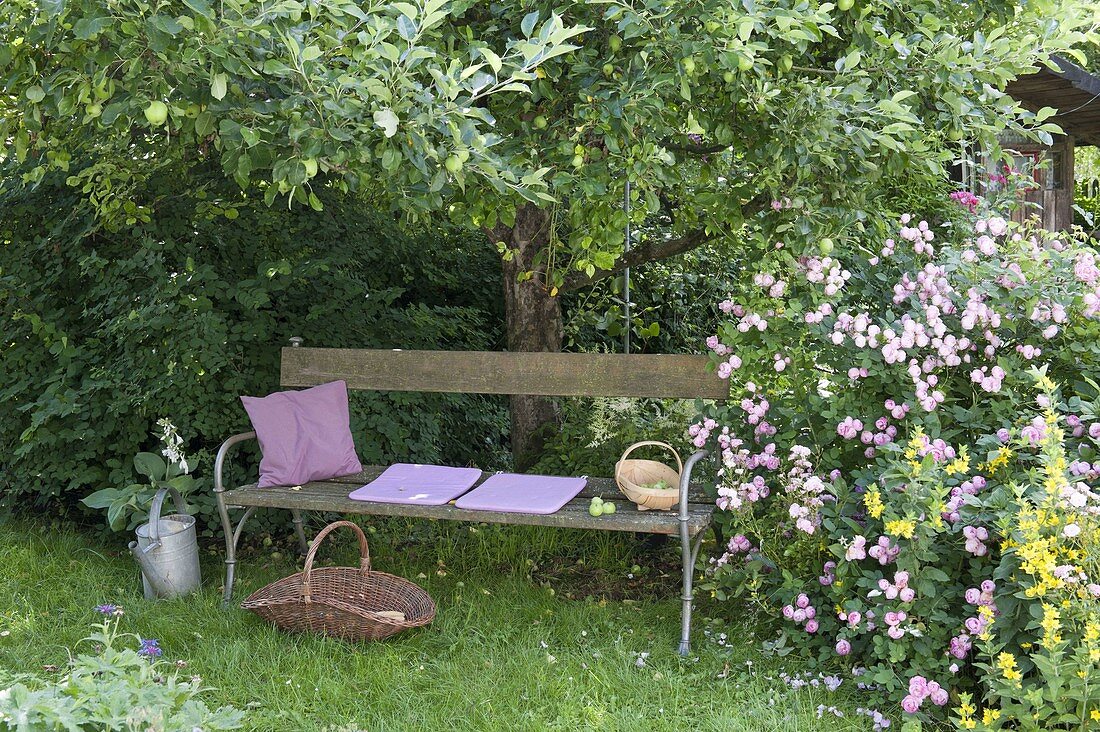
<point>427,485</point>
<point>513,493</point>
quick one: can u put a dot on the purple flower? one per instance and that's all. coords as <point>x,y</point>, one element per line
<point>843,647</point>
<point>150,648</point>
<point>109,609</point>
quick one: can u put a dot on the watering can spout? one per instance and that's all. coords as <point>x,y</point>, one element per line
<point>150,571</point>
<point>167,550</point>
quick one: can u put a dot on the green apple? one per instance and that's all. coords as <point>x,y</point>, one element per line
<point>276,556</point>
<point>689,65</point>
<point>156,113</point>
<point>453,164</point>
<point>267,541</point>
<point>744,62</point>
<point>595,510</point>
<point>540,122</point>
<point>615,43</point>
<point>608,69</point>
<point>845,5</point>
<point>825,246</point>
<point>609,507</point>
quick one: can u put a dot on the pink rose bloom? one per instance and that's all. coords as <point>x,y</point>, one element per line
<point>895,632</point>
<point>910,704</point>
<point>938,697</point>
<point>988,586</point>
<point>857,549</point>
<point>802,601</point>
<point>811,626</point>
<point>788,612</point>
<point>853,618</point>
<point>972,595</point>
<point>918,687</point>
<point>907,594</point>
<point>843,647</point>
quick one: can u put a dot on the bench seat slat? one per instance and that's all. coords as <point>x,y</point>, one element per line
<point>333,496</point>
<point>603,487</point>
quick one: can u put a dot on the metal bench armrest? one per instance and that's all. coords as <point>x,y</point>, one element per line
<point>219,461</point>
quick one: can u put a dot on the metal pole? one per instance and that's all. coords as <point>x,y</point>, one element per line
<point>626,272</point>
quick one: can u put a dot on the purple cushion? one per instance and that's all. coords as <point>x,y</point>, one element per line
<point>514,493</point>
<point>304,435</point>
<point>428,485</point>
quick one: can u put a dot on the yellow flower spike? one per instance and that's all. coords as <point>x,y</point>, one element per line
<point>902,528</point>
<point>872,499</point>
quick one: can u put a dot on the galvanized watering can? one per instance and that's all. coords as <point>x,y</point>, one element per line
<point>167,550</point>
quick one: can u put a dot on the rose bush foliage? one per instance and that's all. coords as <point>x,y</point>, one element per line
<point>908,462</point>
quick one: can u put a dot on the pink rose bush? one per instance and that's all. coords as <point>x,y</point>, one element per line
<point>915,491</point>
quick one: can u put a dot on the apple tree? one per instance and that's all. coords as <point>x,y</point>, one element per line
<point>527,118</point>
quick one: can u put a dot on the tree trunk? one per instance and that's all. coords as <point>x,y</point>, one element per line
<point>534,323</point>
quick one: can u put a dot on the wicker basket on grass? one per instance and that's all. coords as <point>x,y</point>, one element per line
<point>355,604</point>
<point>636,478</point>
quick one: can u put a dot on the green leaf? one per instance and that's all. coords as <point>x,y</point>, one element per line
<point>406,28</point>
<point>528,24</point>
<point>36,94</point>
<point>150,464</point>
<point>101,498</point>
<point>218,86</point>
<point>116,518</point>
<point>387,120</point>
<point>202,7</point>
<point>492,58</point>
<point>86,29</point>
<point>311,52</point>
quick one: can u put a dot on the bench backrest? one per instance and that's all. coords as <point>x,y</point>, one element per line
<point>505,372</point>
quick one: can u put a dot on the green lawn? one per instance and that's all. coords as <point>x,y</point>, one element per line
<point>536,630</point>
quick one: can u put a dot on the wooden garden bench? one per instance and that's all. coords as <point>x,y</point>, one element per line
<point>467,372</point>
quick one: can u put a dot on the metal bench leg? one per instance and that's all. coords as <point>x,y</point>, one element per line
<point>690,552</point>
<point>231,540</point>
<point>230,545</point>
<point>231,534</point>
<point>303,545</point>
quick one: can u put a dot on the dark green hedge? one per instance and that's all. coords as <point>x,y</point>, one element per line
<point>103,333</point>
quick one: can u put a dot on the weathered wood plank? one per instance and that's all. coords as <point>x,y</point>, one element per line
<point>603,487</point>
<point>324,496</point>
<point>503,372</point>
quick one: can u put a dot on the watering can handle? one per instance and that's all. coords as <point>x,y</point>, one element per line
<point>154,514</point>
